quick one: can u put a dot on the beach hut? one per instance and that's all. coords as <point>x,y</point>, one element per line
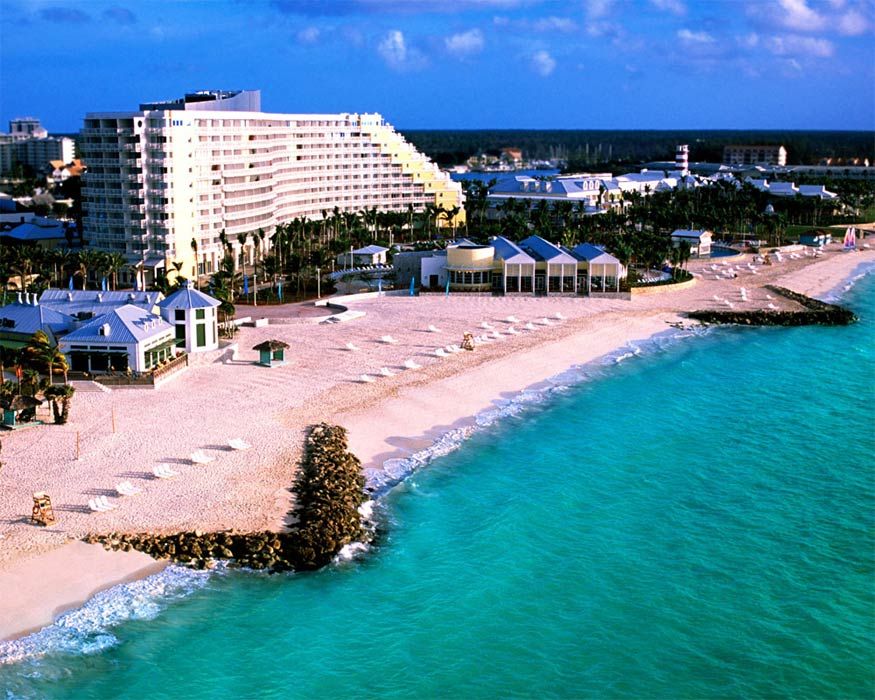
<point>271,353</point>
<point>555,269</point>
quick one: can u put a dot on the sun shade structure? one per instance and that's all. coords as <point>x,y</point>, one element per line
<point>271,353</point>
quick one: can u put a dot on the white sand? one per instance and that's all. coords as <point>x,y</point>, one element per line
<point>270,408</point>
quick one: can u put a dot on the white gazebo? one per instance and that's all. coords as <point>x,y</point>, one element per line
<point>194,316</point>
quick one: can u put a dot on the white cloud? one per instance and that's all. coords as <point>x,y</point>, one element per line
<point>690,37</point>
<point>555,24</point>
<point>797,15</point>
<point>397,54</point>
<point>596,9</point>
<point>465,43</point>
<point>543,63</point>
<point>310,35</point>
<point>853,23</point>
<point>794,45</point>
<point>676,7</point>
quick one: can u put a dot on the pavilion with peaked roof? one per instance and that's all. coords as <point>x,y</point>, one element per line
<point>194,316</point>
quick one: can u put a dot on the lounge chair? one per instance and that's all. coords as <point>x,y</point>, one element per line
<point>351,347</point>
<point>238,444</point>
<point>163,471</point>
<point>432,329</point>
<point>558,315</point>
<point>388,339</point>
<point>530,326</point>
<point>512,319</point>
<point>92,504</point>
<point>440,352</point>
<point>512,331</point>
<point>104,503</point>
<point>411,364</point>
<point>367,379</point>
<point>126,488</point>
<point>386,372</point>
<point>486,326</point>
<point>200,457</point>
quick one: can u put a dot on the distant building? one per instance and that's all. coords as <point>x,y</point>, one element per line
<point>699,241</point>
<point>47,233</point>
<point>20,319</point>
<point>184,171</point>
<point>29,144</point>
<point>369,255</point>
<point>755,155</point>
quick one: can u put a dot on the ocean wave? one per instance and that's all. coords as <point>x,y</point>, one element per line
<point>836,294</point>
<point>395,471</point>
<point>87,630</point>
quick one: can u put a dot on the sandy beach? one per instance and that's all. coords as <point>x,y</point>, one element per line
<point>122,434</point>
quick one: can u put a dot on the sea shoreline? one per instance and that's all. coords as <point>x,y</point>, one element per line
<point>415,416</point>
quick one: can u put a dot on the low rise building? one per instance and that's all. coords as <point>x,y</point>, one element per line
<point>755,155</point>
<point>125,338</point>
<point>699,241</point>
<point>85,304</point>
<point>369,255</point>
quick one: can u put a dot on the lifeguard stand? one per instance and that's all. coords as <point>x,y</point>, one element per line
<point>43,513</point>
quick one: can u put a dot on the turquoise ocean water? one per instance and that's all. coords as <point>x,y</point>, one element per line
<point>695,521</point>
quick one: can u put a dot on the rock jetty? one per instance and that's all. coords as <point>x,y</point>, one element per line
<point>814,312</point>
<point>330,488</point>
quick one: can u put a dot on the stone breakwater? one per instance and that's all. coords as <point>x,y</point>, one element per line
<point>813,313</point>
<point>329,495</point>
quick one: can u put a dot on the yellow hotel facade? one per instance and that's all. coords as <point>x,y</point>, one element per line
<point>163,182</point>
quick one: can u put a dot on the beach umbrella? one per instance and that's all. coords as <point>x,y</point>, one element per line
<point>379,285</point>
<point>70,283</point>
<point>104,286</point>
<point>412,281</point>
<point>246,284</point>
<point>279,290</point>
<point>448,285</point>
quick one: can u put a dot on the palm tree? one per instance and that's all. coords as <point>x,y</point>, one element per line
<point>87,259</point>
<point>450,216</point>
<point>40,353</point>
<point>241,239</point>
<point>22,260</point>
<point>197,275</point>
<point>59,397</point>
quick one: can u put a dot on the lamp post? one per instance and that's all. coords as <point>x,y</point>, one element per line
<point>318,284</point>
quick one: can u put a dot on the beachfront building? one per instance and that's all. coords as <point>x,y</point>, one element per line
<point>85,304</point>
<point>167,182</point>
<point>194,318</point>
<point>532,266</point>
<point>28,144</point>
<point>699,241</point>
<point>369,255</point>
<point>598,270</point>
<point>125,338</point>
<point>25,316</point>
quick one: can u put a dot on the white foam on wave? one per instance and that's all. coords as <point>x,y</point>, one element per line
<point>87,630</point>
<point>835,295</point>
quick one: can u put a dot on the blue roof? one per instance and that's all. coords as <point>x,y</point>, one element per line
<point>188,298</point>
<point>542,249</point>
<point>127,324</point>
<point>30,318</point>
<point>37,230</point>
<point>75,301</point>
<point>509,251</point>
<point>592,253</point>
<point>370,250</point>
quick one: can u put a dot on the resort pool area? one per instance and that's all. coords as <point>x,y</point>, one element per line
<point>718,251</point>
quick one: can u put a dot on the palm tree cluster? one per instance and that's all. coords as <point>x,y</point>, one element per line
<point>32,268</point>
<point>34,367</point>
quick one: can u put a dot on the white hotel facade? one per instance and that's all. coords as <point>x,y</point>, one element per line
<point>165,181</point>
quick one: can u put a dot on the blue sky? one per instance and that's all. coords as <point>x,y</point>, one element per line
<point>597,64</point>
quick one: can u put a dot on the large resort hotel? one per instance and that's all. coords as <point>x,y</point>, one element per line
<point>164,182</point>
